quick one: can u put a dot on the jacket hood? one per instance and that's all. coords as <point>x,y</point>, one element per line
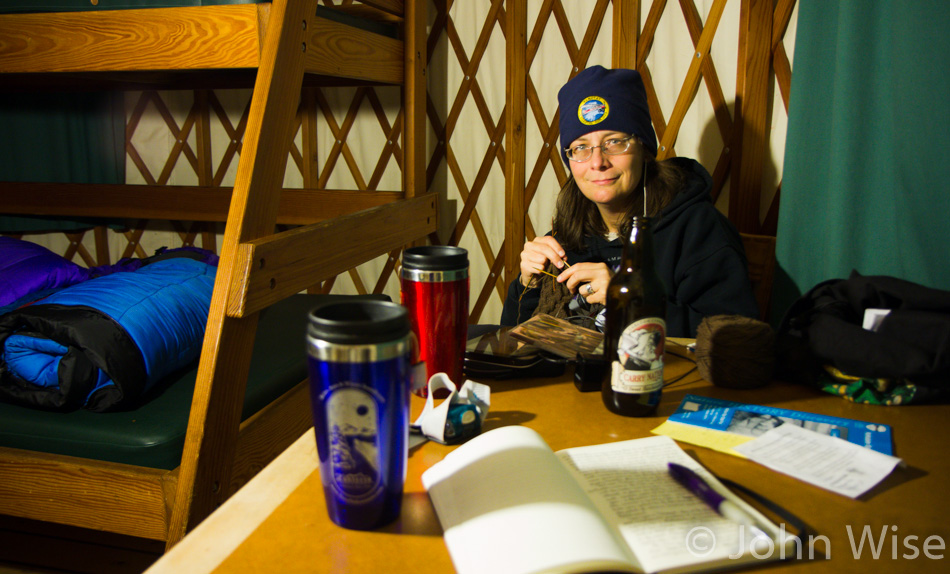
<point>695,190</point>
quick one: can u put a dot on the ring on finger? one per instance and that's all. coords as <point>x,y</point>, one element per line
<point>590,290</point>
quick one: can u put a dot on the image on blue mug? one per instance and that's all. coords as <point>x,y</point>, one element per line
<point>352,423</point>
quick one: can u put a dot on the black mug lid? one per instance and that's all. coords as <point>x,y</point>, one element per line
<point>435,258</point>
<point>358,322</point>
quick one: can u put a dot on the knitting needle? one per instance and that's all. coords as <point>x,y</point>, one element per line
<point>553,287</point>
<point>546,273</point>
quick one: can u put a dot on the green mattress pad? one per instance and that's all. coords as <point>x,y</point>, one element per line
<point>153,435</point>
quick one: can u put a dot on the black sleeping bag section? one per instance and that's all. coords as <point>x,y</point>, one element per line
<point>86,347</point>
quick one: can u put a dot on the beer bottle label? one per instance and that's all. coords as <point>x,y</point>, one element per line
<point>638,367</point>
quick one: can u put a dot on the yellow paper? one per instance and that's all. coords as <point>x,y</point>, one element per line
<point>716,440</point>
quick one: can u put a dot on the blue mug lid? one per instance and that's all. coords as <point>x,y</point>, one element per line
<point>359,322</point>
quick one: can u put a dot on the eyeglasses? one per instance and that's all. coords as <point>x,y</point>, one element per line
<point>613,146</point>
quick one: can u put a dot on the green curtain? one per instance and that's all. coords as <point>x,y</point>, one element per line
<point>62,137</point>
<point>76,137</point>
<point>866,182</point>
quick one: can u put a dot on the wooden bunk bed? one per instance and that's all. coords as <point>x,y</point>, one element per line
<point>279,47</point>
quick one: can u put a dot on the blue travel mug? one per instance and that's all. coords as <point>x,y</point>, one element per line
<point>360,377</point>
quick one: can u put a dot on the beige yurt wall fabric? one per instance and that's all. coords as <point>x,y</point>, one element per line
<point>349,137</point>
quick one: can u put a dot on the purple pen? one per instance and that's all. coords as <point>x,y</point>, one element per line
<point>695,484</point>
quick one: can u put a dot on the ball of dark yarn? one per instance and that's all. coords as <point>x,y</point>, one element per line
<point>735,352</point>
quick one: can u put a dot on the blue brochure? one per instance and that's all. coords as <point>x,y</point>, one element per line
<point>753,420</point>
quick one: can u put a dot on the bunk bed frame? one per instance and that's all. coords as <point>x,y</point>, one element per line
<point>280,45</point>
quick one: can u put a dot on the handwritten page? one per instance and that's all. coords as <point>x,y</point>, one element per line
<point>655,515</point>
<point>824,461</point>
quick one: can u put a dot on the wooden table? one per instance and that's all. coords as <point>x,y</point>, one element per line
<point>278,523</point>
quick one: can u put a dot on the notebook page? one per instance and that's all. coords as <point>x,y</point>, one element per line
<point>659,519</point>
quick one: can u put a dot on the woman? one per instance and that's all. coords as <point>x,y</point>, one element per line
<point>609,145</point>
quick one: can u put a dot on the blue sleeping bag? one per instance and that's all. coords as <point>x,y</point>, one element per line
<point>102,343</point>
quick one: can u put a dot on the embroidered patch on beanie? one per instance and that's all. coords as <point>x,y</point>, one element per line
<point>593,110</point>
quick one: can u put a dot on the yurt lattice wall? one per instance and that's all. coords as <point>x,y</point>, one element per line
<point>718,77</point>
<point>717,72</point>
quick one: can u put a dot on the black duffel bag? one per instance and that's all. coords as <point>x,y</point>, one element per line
<point>822,339</point>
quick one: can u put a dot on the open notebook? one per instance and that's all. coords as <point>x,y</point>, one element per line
<point>508,504</point>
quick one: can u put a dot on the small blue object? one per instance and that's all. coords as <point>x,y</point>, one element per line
<point>462,423</point>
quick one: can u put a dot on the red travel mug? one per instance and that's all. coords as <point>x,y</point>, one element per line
<point>434,289</point>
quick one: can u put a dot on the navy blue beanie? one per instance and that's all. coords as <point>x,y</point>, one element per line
<point>601,99</point>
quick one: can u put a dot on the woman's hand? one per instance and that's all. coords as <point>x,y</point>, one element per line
<point>590,279</point>
<point>536,255</point>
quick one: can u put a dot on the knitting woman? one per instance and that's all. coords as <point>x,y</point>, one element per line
<point>610,148</point>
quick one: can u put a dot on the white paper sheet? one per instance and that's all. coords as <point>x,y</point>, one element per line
<point>824,461</point>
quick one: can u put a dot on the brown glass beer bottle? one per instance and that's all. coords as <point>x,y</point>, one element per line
<point>635,330</point>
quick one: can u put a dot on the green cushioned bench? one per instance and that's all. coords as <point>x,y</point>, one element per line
<point>153,435</point>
